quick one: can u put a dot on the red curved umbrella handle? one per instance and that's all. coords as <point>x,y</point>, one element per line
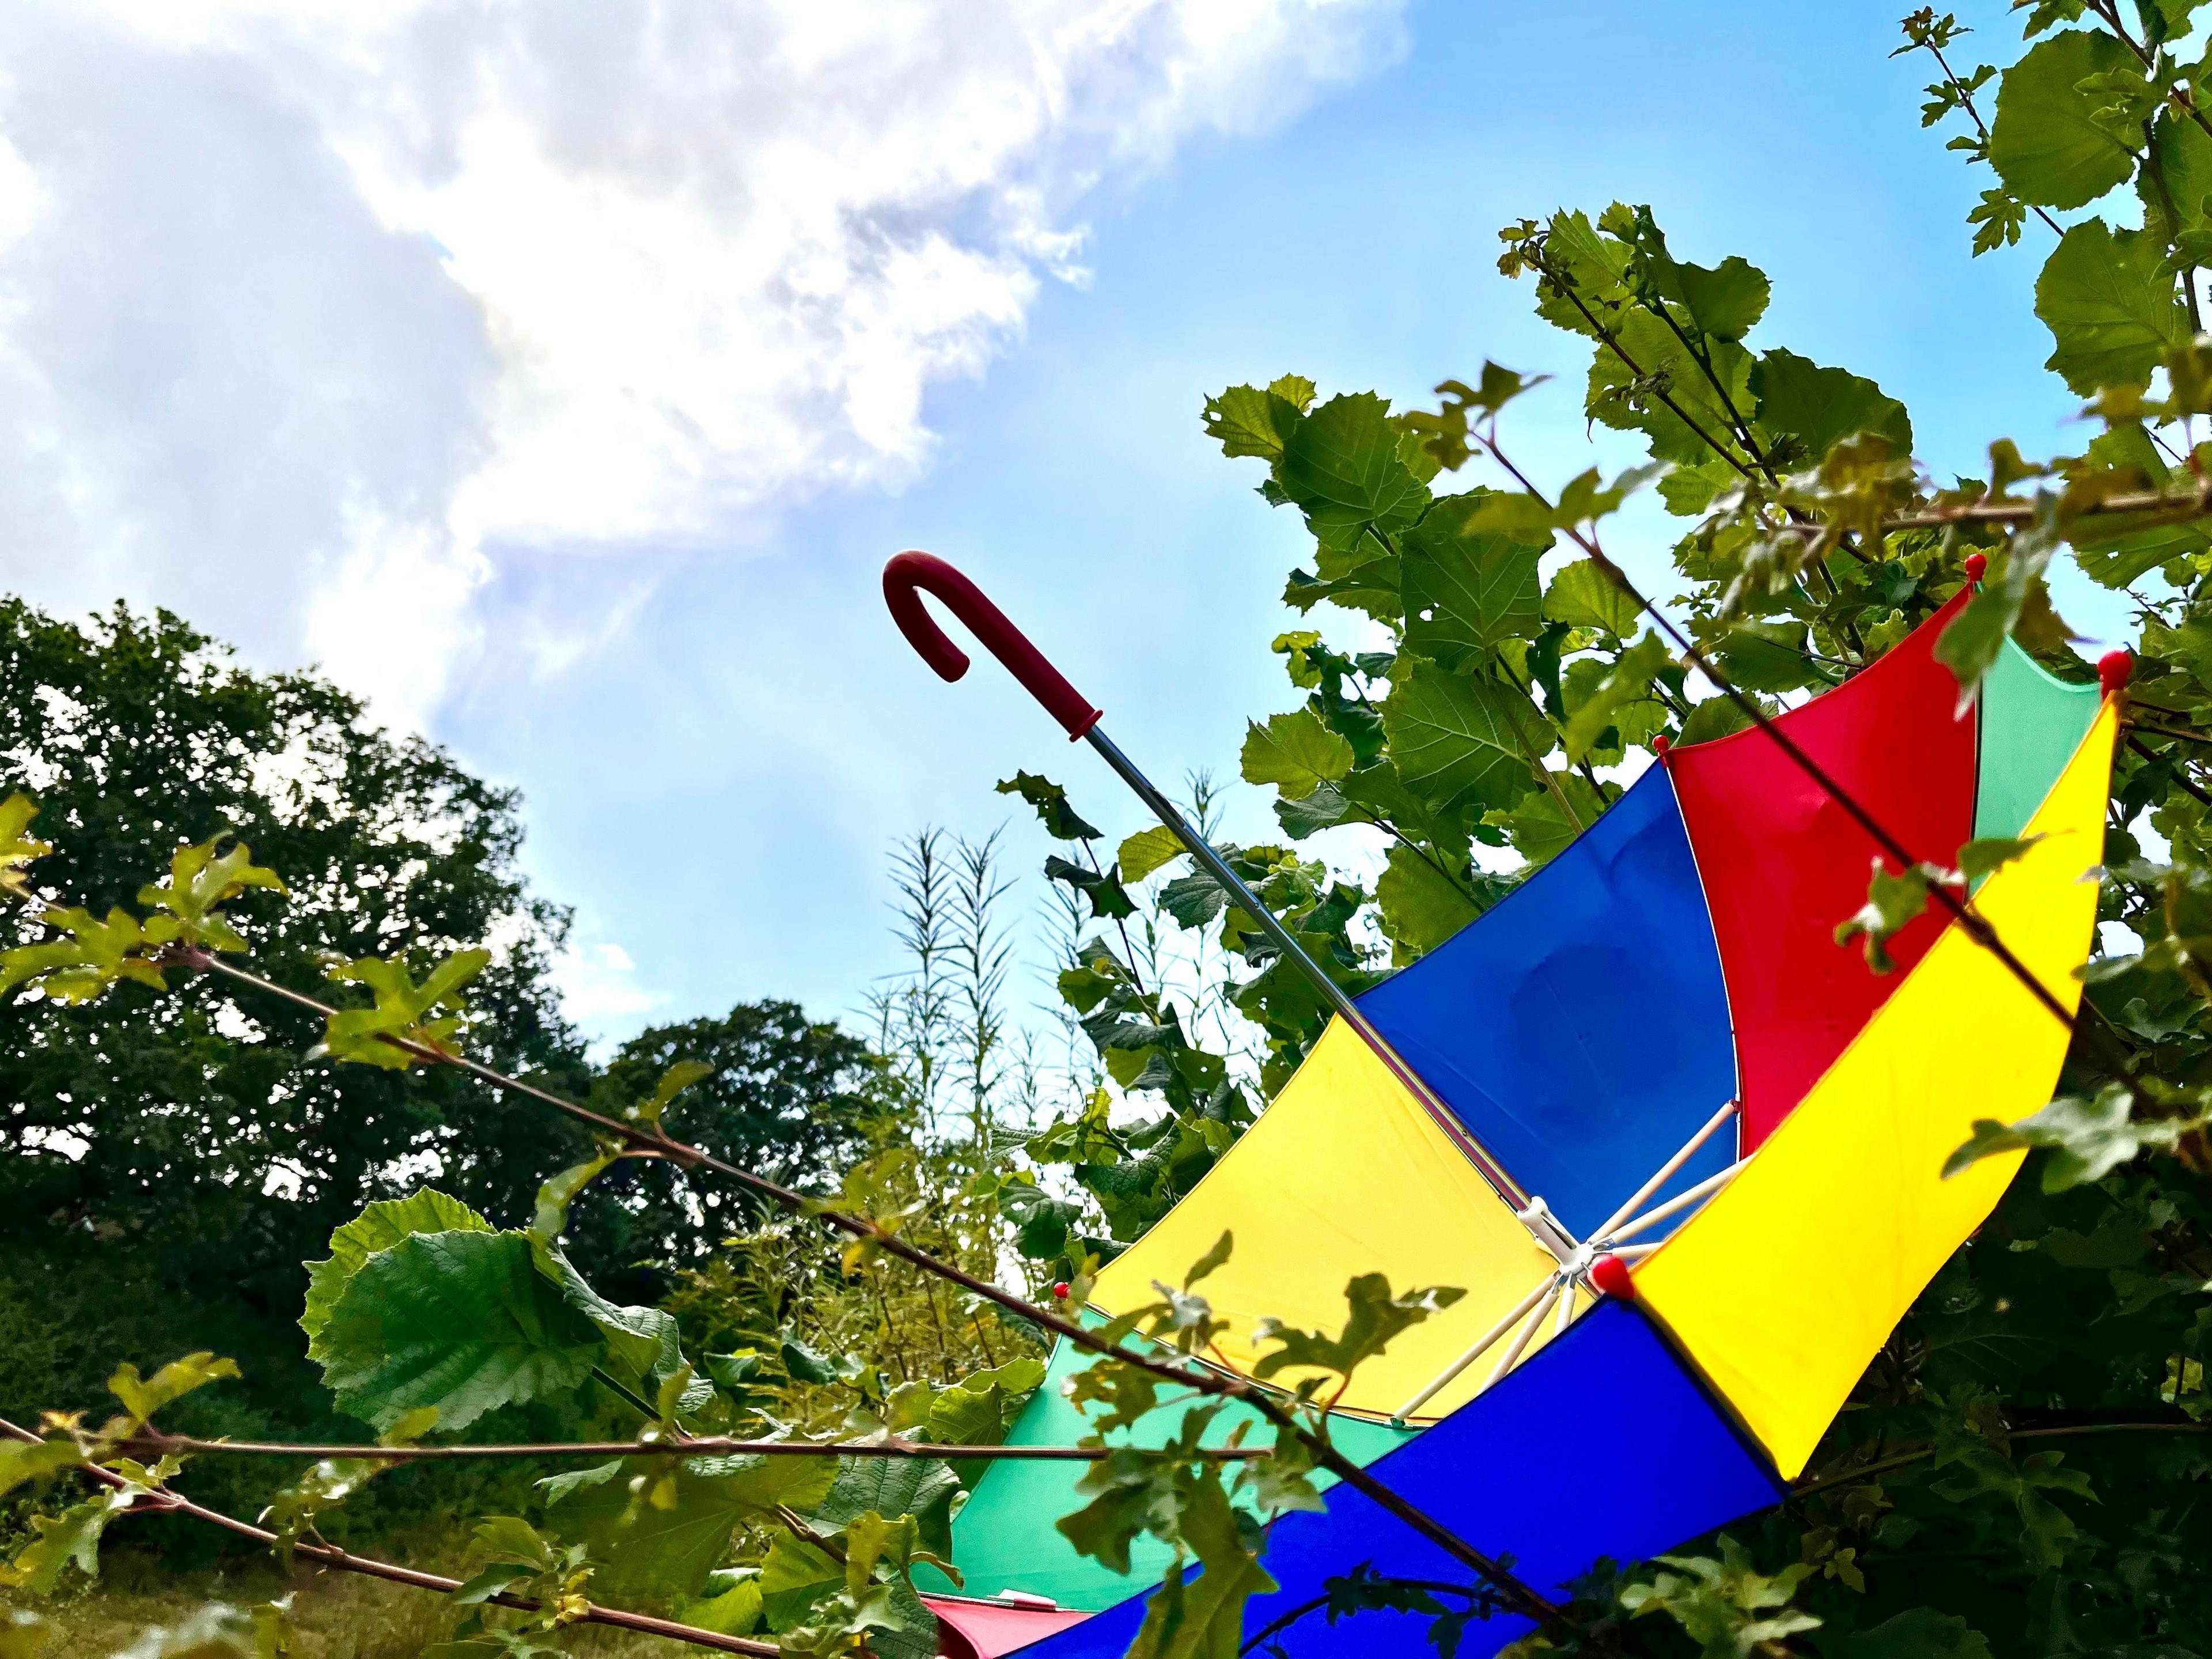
<point>910,576</point>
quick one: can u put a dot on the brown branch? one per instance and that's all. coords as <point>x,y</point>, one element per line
<point>328,1555</point>
<point>1520,1596</point>
<point>2179,776</point>
<point>701,1446</point>
<point>2169,731</point>
<point>1966,103</point>
<point>2181,504</point>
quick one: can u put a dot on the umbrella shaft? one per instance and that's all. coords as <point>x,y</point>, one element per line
<point>1212,863</point>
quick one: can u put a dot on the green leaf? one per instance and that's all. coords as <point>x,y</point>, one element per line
<point>34,1460</point>
<point>1459,739</point>
<point>1246,420</point>
<point>1149,850</point>
<point>1421,907</point>
<point>2088,1139</point>
<point>1724,301</point>
<point>1985,857</point>
<point>1822,407</point>
<point>1061,821</point>
<point>795,1576</point>
<point>659,1530</point>
<point>735,1611</point>
<point>673,1082</point>
<point>18,847</point>
<point>1465,588</point>
<point>1341,466</point>
<point>143,1396</point>
<point>1628,681</point>
<point>92,956</point>
<point>1583,596</point>
<point>200,878</point>
<point>1295,752</point>
<point>1768,656</point>
<point>2111,305</point>
<point>23,1634</point>
<point>1970,642</point>
<point>2047,143</point>
<point>69,1539</point>
<point>1715,717</point>
<point>1204,1619</point>
<point>1540,830</point>
<point>1376,1317</point>
<point>401,1009</point>
<point>922,1487</point>
<point>549,1217</point>
<point>1919,1633</point>
<point>377,1227</point>
<point>1894,903</point>
<point>462,1321</point>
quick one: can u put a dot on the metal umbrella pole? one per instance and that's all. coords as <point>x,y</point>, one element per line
<point>909,575</point>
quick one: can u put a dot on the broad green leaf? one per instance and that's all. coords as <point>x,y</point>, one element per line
<point>1324,809</point>
<point>2088,1139</point>
<point>1248,419</point>
<point>1540,829</point>
<point>659,1527</point>
<point>1149,850</point>
<point>377,1227</point>
<point>1465,589</point>
<point>1460,739</point>
<point>1061,821</point>
<point>1627,682</point>
<point>1421,905</point>
<point>2047,143</point>
<point>34,1460</point>
<point>1376,1317</point>
<point>922,1487</point>
<point>549,1217</point>
<point>2111,305</point>
<point>1920,1633</point>
<point>1822,407</point>
<point>1692,419</point>
<point>462,1321</point>
<point>673,1082</point>
<point>2110,552</point>
<point>735,1611</point>
<point>1715,717</point>
<point>1341,466</point>
<point>645,1349</point>
<point>59,1541</point>
<point>1583,596</point>
<point>1768,656</point>
<point>1724,301</point>
<point>1295,752</point>
<point>795,1576</point>
<point>200,878</point>
<point>90,958</point>
<point>18,847</point>
<point>1970,642</point>
<point>402,1008</point>
<point>1985,857</point>
<point>142,1396</point>
<point>1204,1618</point>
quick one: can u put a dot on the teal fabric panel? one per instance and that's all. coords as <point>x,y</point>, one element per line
<point>2032,724</point>
<point>1004,1538</point>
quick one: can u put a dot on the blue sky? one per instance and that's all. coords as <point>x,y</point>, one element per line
<point>560,376</point>
<point>716,789</point>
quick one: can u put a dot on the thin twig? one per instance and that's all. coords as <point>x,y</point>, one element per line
<point>700,1446</point>
<point>2179,776</point>
<point>1966,103</point>
<point>1905,1460</point>
<point>169,1502</point>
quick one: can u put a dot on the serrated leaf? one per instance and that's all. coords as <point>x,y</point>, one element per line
<point>1061,821</point>
<point>1539,829</point>
<point>92,957</point>
<point>1376,1317</point>
<point>2111,305</point>
<point>1822,407</point>
<point>1467,589</point>
<point>660,1530</point>
<point>1628,681</point>
<point>60,1541</point>
<point>918,1487</point>
<point>1421,907</point>
<point>402,1008</point>
<point>1341,466</point>
<point>462,1321</point>
<point>34,1460</point>
<point>1724,301</point>
<point>1581,595</point>
<point>2046,141</point>
<point>1768,656</point>
<point>1459,739</point>
<point>143,1396</point>
<point>2088,1139</point>
<point>1971,641</point>
<point>1149,850</point>
<point>377,1227</point>
<point>200,878</point>
<point>1246,420</point>
<point>1295,752</point>
<point>18,846</point>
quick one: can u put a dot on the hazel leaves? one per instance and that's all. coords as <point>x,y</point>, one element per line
<point>424,1015</point>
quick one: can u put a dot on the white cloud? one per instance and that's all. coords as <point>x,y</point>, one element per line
<point>309,313</point>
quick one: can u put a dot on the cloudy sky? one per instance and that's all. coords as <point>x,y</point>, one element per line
<point>559,374</point>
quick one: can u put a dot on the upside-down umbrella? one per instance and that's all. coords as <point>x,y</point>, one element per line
<point>1651,1072</point>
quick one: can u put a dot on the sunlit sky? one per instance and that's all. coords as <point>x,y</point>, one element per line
<point>560,377</point>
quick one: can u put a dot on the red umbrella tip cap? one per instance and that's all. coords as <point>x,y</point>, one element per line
<point>1611,1275</point>
<point>1976,564</point>
<point>1060,1290</point>
<point>2113,671</point>
<point>1660,745</point>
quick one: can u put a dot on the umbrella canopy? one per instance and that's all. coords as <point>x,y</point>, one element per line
<point>1676,959</point>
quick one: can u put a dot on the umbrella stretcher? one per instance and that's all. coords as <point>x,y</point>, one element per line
<point>1652,1049</point>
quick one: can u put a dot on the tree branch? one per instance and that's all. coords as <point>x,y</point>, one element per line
<point>700,1446</point>
<point>1905,1459</point>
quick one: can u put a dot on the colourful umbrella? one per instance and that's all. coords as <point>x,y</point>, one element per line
<point>1652,1054</point>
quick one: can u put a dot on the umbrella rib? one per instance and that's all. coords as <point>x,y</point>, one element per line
<point>1560,1285</point>
<point>1483,1344</point>
<point>1667,1170</point>
<point>1680,1201</point>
